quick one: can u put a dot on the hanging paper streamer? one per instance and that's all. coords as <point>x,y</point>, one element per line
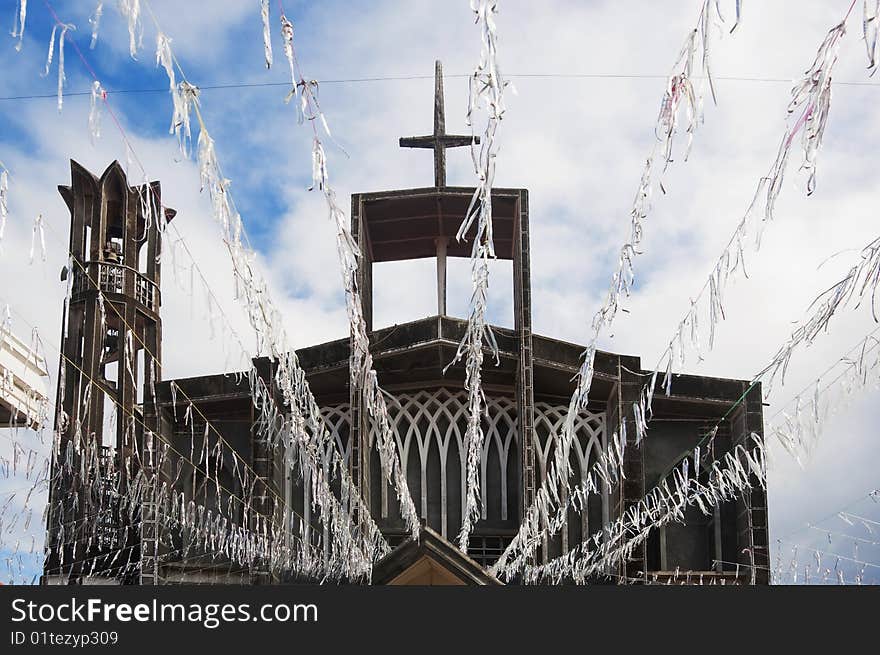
<point>38,235</point>
<point>799,429</point>
<point>738,471</point>
<point>267,32</point>
<point>51,53</point>
<point>18,25</point>
<point>870,28</point>
<point>304,432</point>
<point>487,87</point>
<point>738,15</point>
<point>183,95</point>
<point>131,10</point>
<point>287,45</point>
<point>99,95</point>
<point>684,91</point>
<point>362,373</point>
<point>4,200</point>
<point>62,79</point>
<point>164,59</point>
<point>95,22</point>
<point>681,94</point>
<point>860,283</point>
<point>186,97</point>
<point>809,109</point>
<point>811,101</point>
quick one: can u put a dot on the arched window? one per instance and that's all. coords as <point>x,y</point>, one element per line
<point>430,428</point>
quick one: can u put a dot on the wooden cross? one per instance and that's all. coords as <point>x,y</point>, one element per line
<point>439,141</point>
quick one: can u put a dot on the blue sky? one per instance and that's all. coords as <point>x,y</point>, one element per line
<point>577,144</point>
<point>226,114</point>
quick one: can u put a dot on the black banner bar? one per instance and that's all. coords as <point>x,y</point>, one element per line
<point>404,619</point>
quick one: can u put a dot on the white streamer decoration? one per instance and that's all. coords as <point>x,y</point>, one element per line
<point>267,32</point>
<point>362,372</point>
<point>95,22</point>
<point>18,25</point>
<point>870,28</point>
<point>131,10</point>
<point>799,429</point>
<point>680,93</point>
<point>487,86</point>
<point>809,109</point>
<point>99,95</point>
<point>303,433</point>
<point>287,45</point>
<point>38,234</point>
<point>810,103</point>
<point>62,78</point>
<point>51,51</point>
<point>737,471</point>
<point>183,95</point>
<point>4,200</point>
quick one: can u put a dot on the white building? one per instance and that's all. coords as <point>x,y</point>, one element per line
<point>23,373</point>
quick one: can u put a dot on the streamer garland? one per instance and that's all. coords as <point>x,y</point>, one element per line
<point>736,472</point>
<point>809,110</point>
<point>486,87</point>
<point>345,489</point>
<point>681,93</point>
<point>361,370</point>
<point>304,431</point>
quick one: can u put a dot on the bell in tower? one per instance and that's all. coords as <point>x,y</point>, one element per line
<point>111,361</point>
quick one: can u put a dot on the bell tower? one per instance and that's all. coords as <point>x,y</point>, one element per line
<point>111,343</point>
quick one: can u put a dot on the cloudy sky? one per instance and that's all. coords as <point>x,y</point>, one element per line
<point>589,79</point>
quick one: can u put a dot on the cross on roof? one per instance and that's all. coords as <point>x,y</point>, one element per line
<point>438,141</point>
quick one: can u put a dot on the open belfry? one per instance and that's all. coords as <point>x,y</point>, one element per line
<point>200,451</point>
<point>112,344</point>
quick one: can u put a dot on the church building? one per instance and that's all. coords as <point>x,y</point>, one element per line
<point>527,397</point>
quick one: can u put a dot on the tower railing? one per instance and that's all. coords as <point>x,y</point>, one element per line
<point>113,278</point>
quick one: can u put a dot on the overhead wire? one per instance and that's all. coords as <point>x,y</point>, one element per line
<point>221,86</point>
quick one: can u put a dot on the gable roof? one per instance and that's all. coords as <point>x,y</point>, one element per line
<point>430,560</point>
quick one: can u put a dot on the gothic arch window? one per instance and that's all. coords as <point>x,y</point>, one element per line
<point>588,443</point>
<point>430,428</point>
